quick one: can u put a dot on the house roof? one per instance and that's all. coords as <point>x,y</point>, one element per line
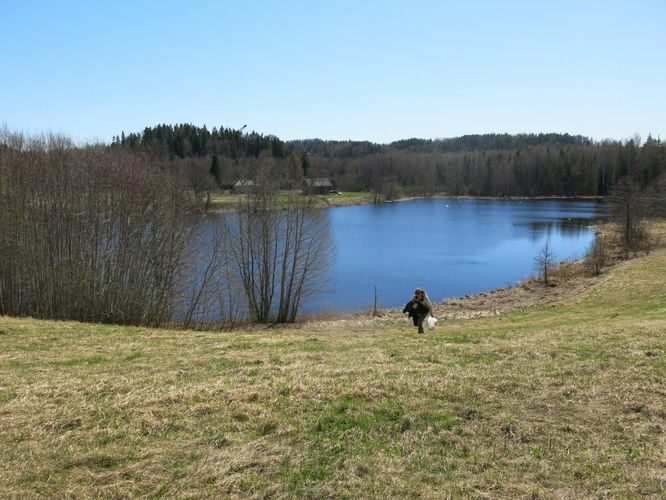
<point>319,182</point>
<point>244,183</point>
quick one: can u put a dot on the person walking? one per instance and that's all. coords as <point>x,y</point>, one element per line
<point>418,308</point>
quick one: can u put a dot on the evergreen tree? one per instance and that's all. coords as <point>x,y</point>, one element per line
<point>305,161</point>
<point>215,170</point>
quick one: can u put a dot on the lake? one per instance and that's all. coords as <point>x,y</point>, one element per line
<point>450,247</point>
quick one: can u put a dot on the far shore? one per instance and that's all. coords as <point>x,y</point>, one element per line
<point>227,202</point>
<point>499,198</point>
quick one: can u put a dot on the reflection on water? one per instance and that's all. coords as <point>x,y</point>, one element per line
<point>569,227</point>
<point>450,247</point>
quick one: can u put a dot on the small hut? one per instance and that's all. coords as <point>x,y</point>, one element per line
<point>318,185</point>
<point>243,186</point>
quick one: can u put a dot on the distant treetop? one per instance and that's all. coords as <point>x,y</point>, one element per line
<point>187,140</point>
<point>467,143</point>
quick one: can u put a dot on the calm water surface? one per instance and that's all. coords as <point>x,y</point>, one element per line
<point>449,247</point>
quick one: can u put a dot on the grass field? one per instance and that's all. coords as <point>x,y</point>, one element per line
<point>567,401</point>
<point>222,202</point>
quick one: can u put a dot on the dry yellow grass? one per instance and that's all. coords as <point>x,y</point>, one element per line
<point>562,401</point>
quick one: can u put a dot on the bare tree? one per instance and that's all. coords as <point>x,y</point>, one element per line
<point>91,234</point>
<point>305,254</point>
<point>197,178</point>
<point>295,170</point>
<point>254,237</point>
<point>629,208</point>
<point>280,249</point>
<point>544,261</point>
<point>213,296</point>
<point>597,256</point>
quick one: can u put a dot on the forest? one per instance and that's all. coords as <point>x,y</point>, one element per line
<point>544,164</point>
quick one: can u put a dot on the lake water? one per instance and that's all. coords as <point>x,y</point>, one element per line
<point>449,247</point>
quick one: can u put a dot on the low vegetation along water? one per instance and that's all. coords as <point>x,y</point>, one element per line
<point>450,247</point>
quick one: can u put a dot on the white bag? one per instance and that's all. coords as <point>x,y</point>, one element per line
<point>432,322</point>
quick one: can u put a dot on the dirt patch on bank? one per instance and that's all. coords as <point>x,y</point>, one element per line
<point>525,295</point>
<point>568,280</point>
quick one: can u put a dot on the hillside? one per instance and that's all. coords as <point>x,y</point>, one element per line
<point>565,400</point>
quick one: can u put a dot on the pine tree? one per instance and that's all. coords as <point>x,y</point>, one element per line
<point>215,169</point>
<point>306,164</point>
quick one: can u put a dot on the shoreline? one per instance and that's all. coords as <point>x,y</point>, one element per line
<point>222,205</point>
<point>568,279</point>
<point>498,198</point>
<point>523,295</point>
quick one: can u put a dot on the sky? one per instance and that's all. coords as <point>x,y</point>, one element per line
<point>359,70</point>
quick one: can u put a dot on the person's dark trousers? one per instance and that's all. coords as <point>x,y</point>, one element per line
<point>419,322</point>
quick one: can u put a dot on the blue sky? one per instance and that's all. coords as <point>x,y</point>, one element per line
<point>371,70</point>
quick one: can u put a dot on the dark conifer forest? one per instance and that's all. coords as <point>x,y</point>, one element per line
<point>545,164</point>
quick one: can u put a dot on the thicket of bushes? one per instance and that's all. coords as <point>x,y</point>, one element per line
<point>109,235</point>
<point>88,233</point>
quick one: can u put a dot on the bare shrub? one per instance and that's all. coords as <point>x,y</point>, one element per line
<point>598,256</point>
<point>280,248</point>
<point>89,234</point>
<point>566,270</point>
<point>630,208</point>
<point>543,262</point>
<point>213,295</point>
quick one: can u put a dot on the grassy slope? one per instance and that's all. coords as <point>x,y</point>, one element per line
<point>566,401</point>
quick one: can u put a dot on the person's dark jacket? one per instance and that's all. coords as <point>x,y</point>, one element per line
<point>415,308</point>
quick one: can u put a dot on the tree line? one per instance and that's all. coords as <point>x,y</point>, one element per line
<point>545,164</point>
<point>88,234</point>
<point>469,143</point>
<point>578,169</point>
